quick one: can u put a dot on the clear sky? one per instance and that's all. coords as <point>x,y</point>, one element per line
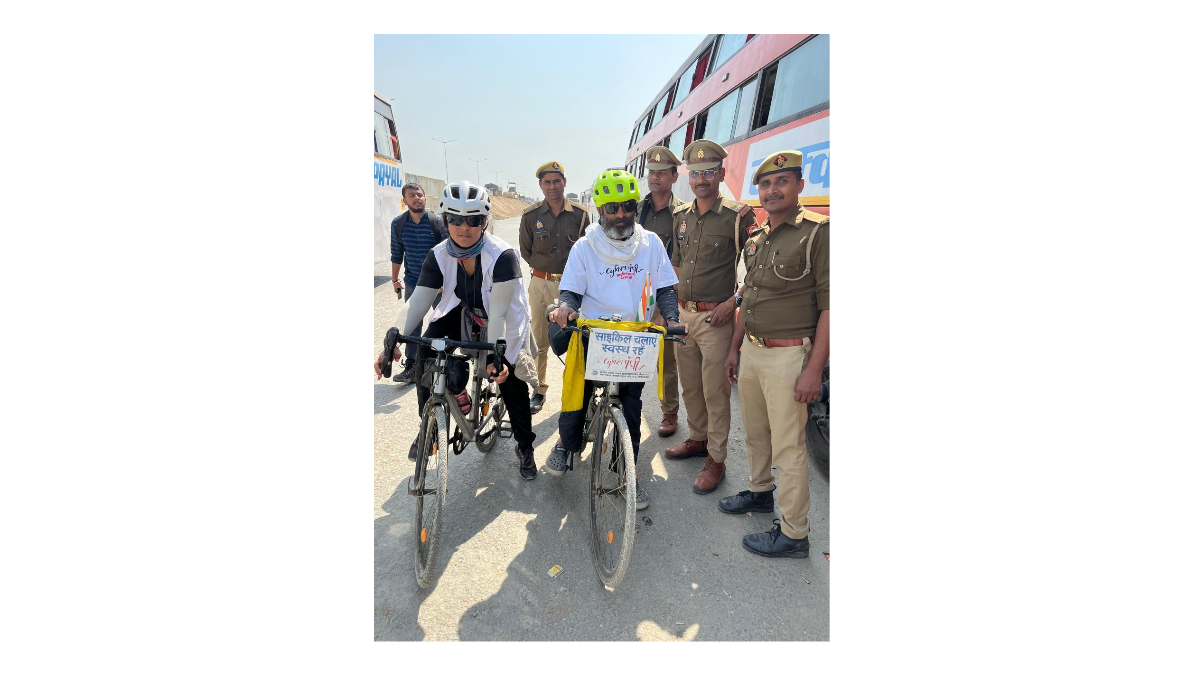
<point>521,100</point>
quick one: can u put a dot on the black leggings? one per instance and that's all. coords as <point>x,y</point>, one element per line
<point>514,391</point>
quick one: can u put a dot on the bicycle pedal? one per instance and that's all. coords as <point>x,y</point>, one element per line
<point>505,426</point>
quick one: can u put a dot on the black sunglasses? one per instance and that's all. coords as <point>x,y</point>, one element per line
<point>473,221</point>
<point>629,206</point>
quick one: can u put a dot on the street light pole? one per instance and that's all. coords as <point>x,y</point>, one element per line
<point>477,161</point>
<point>447,162</point>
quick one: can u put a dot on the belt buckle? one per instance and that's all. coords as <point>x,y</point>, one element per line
<point>755,341</point>
<point>690,306</point>
<point>555,277</point>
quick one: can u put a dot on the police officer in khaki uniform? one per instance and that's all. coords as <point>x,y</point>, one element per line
<point>548,231</point>
<point>656,213</point>
<point>783,335</point>
<point>709,234</point>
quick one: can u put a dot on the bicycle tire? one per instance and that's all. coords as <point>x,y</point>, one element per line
<point>496,413</point>
<point>816,437</point>
<point>611,572</point>
<point>428,526</point>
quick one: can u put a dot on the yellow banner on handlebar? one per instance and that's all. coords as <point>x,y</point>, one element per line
<point>573,377</point>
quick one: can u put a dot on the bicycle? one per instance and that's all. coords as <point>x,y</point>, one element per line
<point>611,525</point>
<point>435,442</point>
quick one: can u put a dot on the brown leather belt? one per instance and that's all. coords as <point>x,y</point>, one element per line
<point>772,342</point>
<point>547,275</point>
<point>698,306</point>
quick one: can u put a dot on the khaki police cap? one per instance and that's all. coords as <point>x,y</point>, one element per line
<point>703,154</point>
<point>549,167</point>
<point>660,157</point>
<point>787,160</point>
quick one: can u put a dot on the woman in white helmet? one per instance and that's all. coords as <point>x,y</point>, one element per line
<point>482,272</point>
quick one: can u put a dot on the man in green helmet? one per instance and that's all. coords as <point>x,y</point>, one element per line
<point>606,275</point>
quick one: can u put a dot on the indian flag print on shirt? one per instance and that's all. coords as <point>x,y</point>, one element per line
<point>646,306</point>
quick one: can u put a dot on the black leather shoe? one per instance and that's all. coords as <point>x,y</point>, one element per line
<point>535,403</point>
<point>747,501</point>
<point>528,468</point>
<point>775,544</point>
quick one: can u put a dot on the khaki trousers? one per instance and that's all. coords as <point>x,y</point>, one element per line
<point>701,364</point>
<point>774,423</point>
<point>670,402</point>
<point>542,292</point>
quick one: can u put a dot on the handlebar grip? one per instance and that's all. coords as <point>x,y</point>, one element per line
<point>498,356</point>
<point>671,330</point>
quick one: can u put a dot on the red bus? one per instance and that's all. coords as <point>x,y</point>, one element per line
<point>753,94</point>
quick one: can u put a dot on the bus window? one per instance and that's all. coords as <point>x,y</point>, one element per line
<point>800,80</point>
<point>383,136</point>
<point>701,68</point>
<point>729,45</point>
<point>675,141</point>
<point>659,109</point>
<point>745,107</point>
<point>716,123</point>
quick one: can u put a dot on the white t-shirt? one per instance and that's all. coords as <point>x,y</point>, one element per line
<point>609,289</point>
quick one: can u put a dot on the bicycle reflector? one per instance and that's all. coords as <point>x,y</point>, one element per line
<point>610,537</point>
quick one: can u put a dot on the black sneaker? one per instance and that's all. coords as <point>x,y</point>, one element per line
<point>747,501</point>
<point>528,469</point>
<point>535,403</point>
<point>775,544</point>
<point>408,376</point>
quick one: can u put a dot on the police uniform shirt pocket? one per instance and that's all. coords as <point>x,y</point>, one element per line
<point>714,247</point>
<point>785,270</point>
<point>541,242</point>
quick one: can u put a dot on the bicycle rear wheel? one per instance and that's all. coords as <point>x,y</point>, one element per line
<point>432,481</point>
<point>614,493</point>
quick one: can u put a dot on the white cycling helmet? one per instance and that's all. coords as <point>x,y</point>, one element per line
<point>464,199</point>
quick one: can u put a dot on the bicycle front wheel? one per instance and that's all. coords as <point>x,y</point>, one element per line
<point>614,496</point>
<point>432,481</point>
<point>493,415</point>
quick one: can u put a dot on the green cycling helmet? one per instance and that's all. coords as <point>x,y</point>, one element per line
<point>615,185</point>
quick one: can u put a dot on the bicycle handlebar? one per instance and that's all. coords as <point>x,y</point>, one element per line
<point>496,348</point>
<point>449,344</point>
<point>571,326</point>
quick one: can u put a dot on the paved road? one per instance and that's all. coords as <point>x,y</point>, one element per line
<point>689,578</point>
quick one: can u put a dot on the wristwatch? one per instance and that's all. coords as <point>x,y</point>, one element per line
<point>738,299</point>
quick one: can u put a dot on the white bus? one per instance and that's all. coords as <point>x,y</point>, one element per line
<point>389,177</point>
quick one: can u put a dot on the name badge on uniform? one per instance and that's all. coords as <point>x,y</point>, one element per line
<point>751,248</point>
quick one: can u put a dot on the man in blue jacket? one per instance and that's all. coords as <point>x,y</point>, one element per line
<point>414,232</point>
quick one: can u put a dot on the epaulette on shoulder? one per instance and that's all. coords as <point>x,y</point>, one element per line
<point>681,208</point>
<point>576,205</point>
<point>818,218</point>
<point>531,208</point>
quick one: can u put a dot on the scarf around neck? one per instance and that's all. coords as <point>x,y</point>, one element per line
<point>464,253</point>
<point>610,251</point>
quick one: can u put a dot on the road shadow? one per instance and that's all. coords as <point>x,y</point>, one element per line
<point>379,281</point>
<point>484,488</point>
